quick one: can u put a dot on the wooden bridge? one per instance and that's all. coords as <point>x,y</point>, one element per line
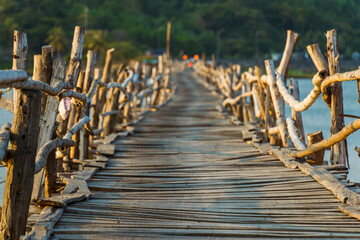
<point>186,173</point>
<point>156,151</point>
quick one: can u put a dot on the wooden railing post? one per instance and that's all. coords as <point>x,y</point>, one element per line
<point>213,63</point>
<point>338,151</point>
<point>23,145</point>
<point>45,74</point>
<point>103,91</point>
<point>76,55</point>
<point>292,39</point>
<point>168,33</point>
<point>89,76</point>
<point>294,88</point>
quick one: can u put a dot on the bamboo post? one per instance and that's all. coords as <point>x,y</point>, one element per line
<point>292,39</point>
<point>76,52</point>
<point>243,105</point>
<point>318,157</point>
<point>20,165</point>
<point>338,151</point>
<point>278,103</point>
<point>267,113</point>
<point>19,57</point>
<point>51,104</point>
<point>105,80</point>
<point>48,125</point>
<point>294,88</point>
<point>168,33</point>
<point>89,76</point>
<point>321,65</point>
<point>318,59</point>
<point>213,63</point>
<point>37,68</point>
<point>74,118</point>
<point>76,55</point>
<point>112,104</point>
<point>260,95</point>
<point>95,100</point>
<point>46,70</point>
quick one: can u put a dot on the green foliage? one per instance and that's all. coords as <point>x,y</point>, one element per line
<point>236,28</point>
<point>57,38</point>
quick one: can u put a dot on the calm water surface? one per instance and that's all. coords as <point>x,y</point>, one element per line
<point>317,117</point>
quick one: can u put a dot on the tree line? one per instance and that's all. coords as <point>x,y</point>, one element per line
<point>230,28</point>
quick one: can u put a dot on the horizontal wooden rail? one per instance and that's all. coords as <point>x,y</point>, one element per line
<point>12,76</point>
<point>293,103</point>
<point>43,153</point>
<point>341,135</point>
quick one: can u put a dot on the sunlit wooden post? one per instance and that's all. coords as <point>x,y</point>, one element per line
<point>338,151</point>
<point>75,57</point>
<point>44,68</point>
<point>294,88</point>
<point>168,33</point>
<point>103,91</point>
<point>291,40</point>
<point>213,61</point>
<point>20,165</point>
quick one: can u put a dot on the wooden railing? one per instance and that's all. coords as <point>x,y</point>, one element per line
<point>63,115</point>
<point>253,97</point>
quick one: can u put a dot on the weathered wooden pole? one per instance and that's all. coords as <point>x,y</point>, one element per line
<point>318,157</point>
<point>112,104</point>
<point>213,63</point>
<point>46,70</point>
<point>168,33</point>
<point>259,90</point>
<point>103,91</point>
<point>45,73</point>
<point>76,53</point>
<point>89,76</point>
<point>338,151</point>
<point>37,68</point>
<point>75,116</point>
<point>23,145</point>
<point>278,103</point>
<point>292,39</point>
<point>49,126</point>
<point>203,58</point>
<point>37,77</point>
<point>95,100</point>
<point>294,88</point>
<point>72,75</point>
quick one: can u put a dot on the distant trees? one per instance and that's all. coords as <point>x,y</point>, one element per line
<point>248,28</point>
<point>57,38</point>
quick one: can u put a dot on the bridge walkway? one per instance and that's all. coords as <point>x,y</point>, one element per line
<point>187,174</point>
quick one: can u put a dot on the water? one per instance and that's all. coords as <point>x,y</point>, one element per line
<point>317,117</point>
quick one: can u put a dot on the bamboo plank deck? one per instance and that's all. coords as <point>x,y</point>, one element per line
<point>186,174</point>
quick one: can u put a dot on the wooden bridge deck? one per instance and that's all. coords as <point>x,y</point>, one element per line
<point>186,173</point>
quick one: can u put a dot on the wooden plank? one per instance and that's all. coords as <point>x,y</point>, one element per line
<point>61,200</point>
<point>106,149</point>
